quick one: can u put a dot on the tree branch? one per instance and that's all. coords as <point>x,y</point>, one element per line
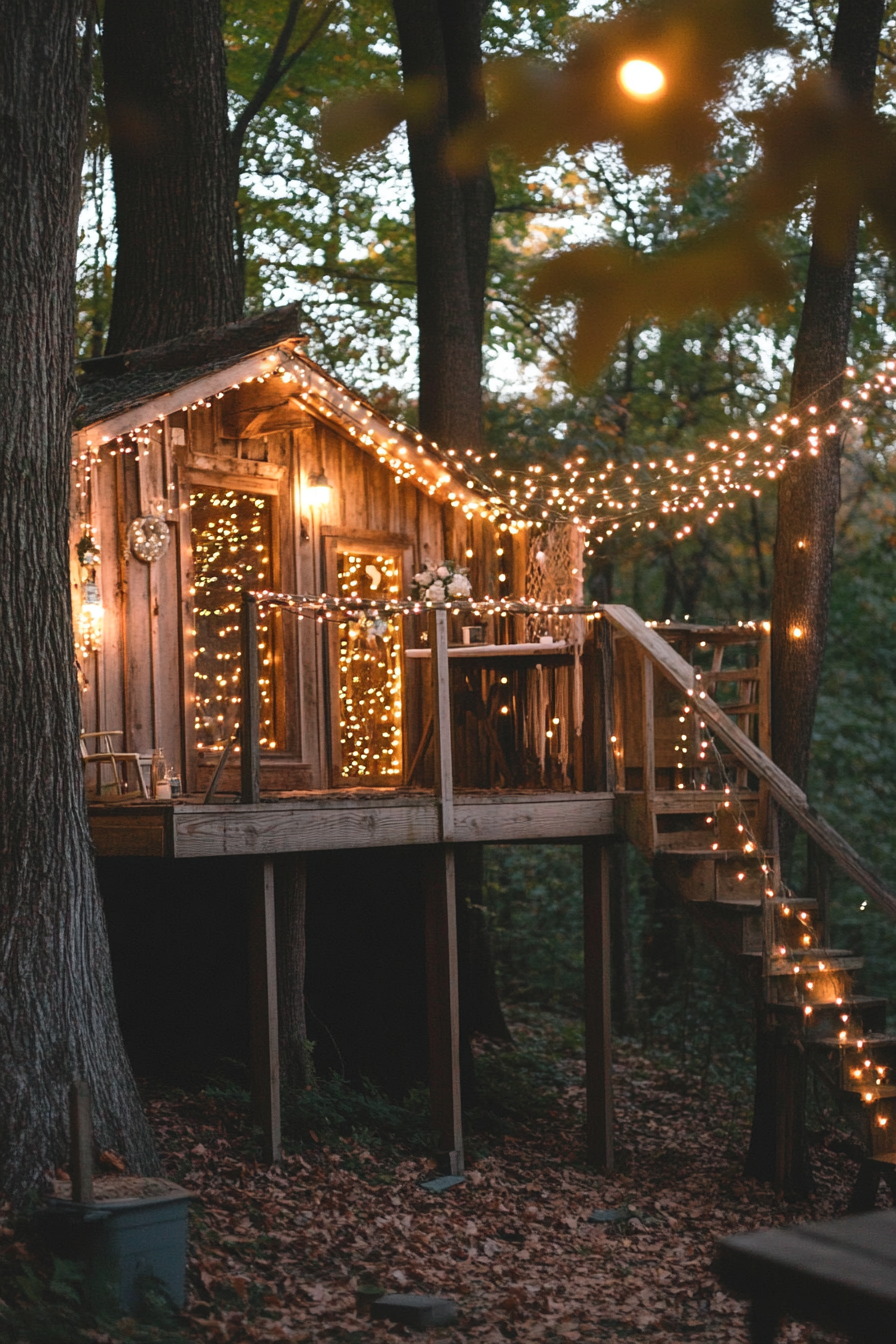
<point>278,67</point>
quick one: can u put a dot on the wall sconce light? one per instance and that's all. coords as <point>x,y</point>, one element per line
<point>90,624</point>
<point>318,491</point>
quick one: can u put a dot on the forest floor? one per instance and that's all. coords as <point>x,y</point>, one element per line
<point>278,1253</point>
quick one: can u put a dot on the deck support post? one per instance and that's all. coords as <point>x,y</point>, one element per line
<point>441,921</point>
<point>442,1005</point>
<point>250,754</point>
<point>264,1042</point>
<point>598,1055</point>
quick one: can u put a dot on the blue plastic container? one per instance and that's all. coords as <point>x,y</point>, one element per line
<point>129,1239</point>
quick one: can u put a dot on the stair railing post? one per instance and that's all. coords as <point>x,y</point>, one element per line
<point>250,755</point>
<point>649,734</point>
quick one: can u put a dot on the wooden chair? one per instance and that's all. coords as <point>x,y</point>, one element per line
<point>106,755</point>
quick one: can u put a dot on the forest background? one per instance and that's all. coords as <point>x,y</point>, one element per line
<point>340,239</point>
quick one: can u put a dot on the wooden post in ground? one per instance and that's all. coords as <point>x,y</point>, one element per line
<point>250,759</point>
<point>80,1142</point>
<point>441,922</point>
<point>264,1042</point>
<point>598,1056</point>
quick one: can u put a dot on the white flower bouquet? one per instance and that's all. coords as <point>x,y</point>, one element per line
<point>443,582</point>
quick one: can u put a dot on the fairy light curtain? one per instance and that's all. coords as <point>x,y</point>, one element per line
<point>370,669</point>
<point>554,702</point>
<point>232,535</point>
<point>553,575</point>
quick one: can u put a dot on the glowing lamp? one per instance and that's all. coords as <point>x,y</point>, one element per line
<point>90,625</point>
<point>318,491</point>
<point>797,632</point>
<point>641,80</point>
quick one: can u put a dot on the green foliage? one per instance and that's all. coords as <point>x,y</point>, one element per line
<point>517,1085</point>
<point>334,1109</point>
<point>49,1301</point>
<point>690,1003</point>
<point>533,898</point>
<point>853,769</point>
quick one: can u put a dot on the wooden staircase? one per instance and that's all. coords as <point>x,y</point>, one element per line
<point>698,795</point>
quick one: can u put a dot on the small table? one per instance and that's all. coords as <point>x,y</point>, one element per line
<point>841,1274</point>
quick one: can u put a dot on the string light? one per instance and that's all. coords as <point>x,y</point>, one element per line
<point>369,668</point>
<point>793,935</point>
<point>600,500</point>
<point>231,534</point>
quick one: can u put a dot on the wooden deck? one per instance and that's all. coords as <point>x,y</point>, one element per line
<point>354,819</point>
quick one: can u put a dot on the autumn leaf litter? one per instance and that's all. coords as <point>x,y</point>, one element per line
<point>280,1253</point>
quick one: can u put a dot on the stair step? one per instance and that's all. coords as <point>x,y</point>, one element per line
<point>682,852</point>
<point>879,1091</point>
<point>815,960</point>
<point>856,1005</point>
<point>875,1040</point>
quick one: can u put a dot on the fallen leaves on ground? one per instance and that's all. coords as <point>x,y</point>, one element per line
<point>279,1253</point>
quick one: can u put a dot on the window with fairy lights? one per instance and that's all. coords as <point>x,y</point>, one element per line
<point>370,670</point>
<point>232,536</point>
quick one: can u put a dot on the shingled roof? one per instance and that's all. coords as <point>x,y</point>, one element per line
<point>115,383</point>
<point>120,394</point>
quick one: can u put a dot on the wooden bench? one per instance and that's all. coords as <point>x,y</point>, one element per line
<point>841,1274</point>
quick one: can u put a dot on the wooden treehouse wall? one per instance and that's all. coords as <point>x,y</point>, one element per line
<point>141,679</point>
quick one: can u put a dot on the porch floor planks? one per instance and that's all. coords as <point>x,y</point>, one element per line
<point>328,820</point>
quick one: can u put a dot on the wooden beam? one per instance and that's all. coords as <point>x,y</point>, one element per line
<point>336,820</point>
<point>264,1034</point>
<point>598,1054</point>
<point>250,751</point>
<point>442,1004</point>
<point>80,1142</point>
<point>441,715</point>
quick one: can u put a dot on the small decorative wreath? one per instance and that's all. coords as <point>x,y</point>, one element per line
<point>149,538</point>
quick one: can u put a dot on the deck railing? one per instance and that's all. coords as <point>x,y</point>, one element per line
<point>507,716</point>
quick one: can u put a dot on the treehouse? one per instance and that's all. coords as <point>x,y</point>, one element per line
<point>302,627</point>
<point>260,472</point>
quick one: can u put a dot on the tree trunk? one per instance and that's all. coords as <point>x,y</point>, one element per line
<point>808,498</point>
<point>440,42</point>
<point>289,889</point>
<point>57,1009</point>
<point>809,493</point>
<point>166,103</point>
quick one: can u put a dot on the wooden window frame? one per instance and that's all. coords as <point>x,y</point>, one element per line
<point>340,541</point>
<point>245,476</point>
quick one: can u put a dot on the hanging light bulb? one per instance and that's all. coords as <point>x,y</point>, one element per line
<point>641,80</point>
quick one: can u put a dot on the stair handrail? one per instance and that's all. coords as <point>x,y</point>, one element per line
<point>782,788</point>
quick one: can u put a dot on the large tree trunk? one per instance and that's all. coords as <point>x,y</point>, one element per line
<point>808,498</point>
<point>440,42</point>
<point>166,103</point>
<point>809,493</point>
<point>57,1010</point>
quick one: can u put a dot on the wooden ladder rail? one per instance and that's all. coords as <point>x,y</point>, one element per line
<point>781,787</point>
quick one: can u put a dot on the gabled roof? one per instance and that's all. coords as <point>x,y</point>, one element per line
<point>139,392</point>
